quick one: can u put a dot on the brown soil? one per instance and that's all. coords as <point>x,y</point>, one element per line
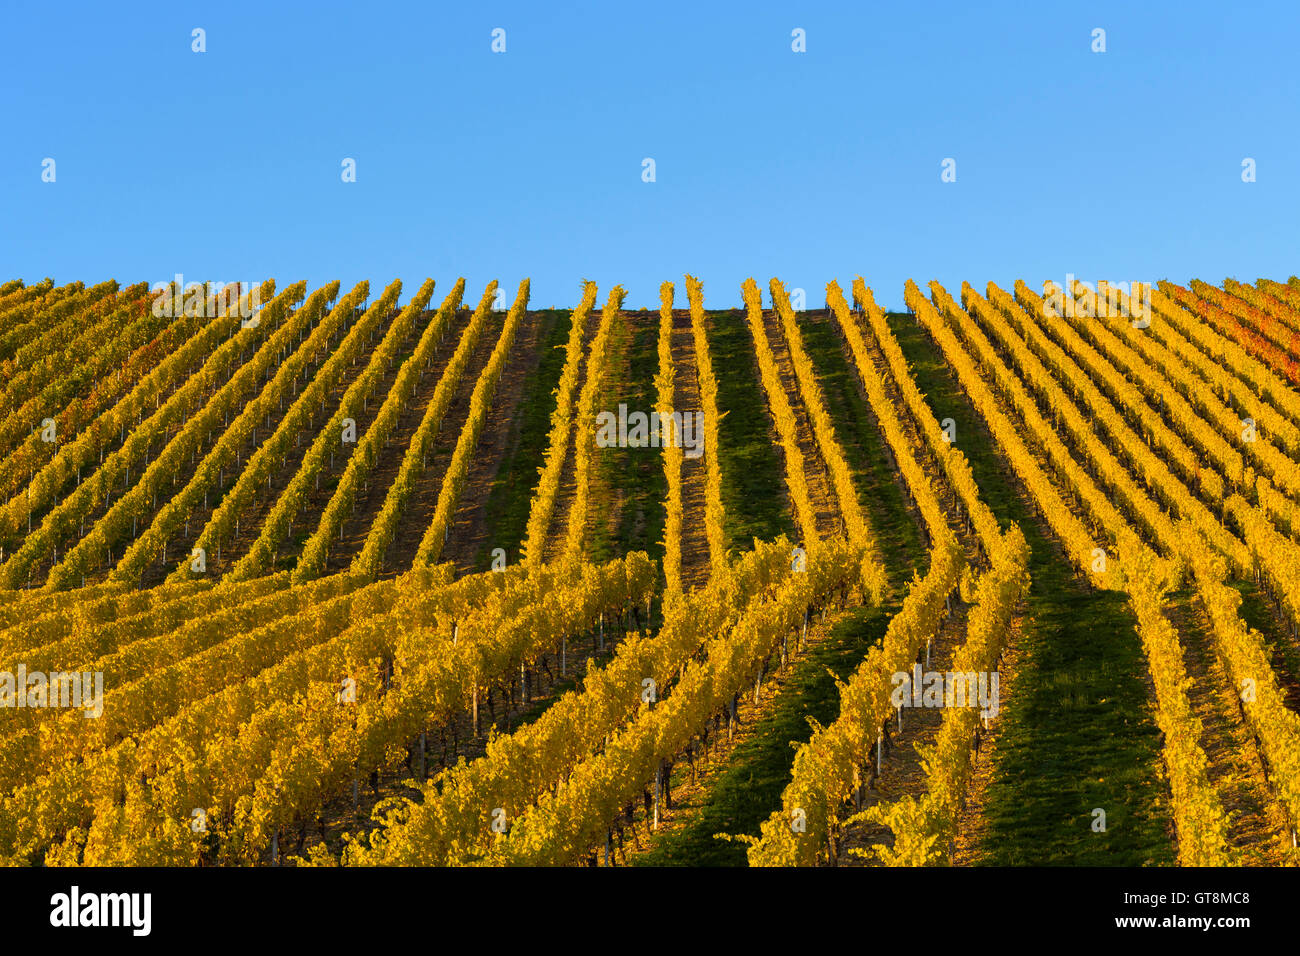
<point>686,399</point>
<point>554,543</point>
<point>423,503</point>
<point>469,532</point>
<point>305,522</point>
<point>375,492</point>
<point>902,773</point>
<point>181,541</point>
<point>821,492</point>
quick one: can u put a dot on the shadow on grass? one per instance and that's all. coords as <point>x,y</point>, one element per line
<point>753,476</point>
<point>637,473</point>
<point>743,793</point>
<point>1078,734</point>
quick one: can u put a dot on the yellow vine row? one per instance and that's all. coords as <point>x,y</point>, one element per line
<point>714,527</point>
<point>665,383</point>
<point>453,482</point>
<point>859,531</point>
<point>584,430</point>
<point>542,507</point>
<point>778,404</point>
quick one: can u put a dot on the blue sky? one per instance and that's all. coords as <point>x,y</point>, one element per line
<point>225,165</point>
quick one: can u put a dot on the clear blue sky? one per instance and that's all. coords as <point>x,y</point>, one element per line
<point>225,165</point>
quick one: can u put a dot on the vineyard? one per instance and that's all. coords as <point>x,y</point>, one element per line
<point>335,577</point>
